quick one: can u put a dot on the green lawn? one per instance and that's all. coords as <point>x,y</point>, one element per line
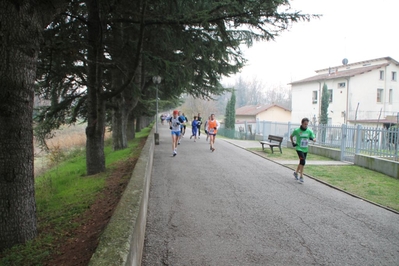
<point>360,181</point>
<point>63,193</point>
<point>365,183</point>
<point>288,154</point>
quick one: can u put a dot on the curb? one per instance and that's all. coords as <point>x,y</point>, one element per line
<point>320,181</point>
<point>122,241</point>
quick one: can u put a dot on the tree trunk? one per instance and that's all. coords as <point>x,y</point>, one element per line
<point>20,31</point>
<point>138,123</point>
<point>119,124</point>
<point>124,102</point>
<point>130,130</point>
<point>95,158</point>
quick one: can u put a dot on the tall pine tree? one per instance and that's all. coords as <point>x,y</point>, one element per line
<point>325,99</point>
<point>232,110</point>
<point>230,115</point>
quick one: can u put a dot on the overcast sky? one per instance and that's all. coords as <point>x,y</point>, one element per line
<point>354,29</point>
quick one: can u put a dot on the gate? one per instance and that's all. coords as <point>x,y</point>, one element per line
<point>348,143</point>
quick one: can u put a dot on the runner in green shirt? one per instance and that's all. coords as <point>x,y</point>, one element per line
<point>302,136</point>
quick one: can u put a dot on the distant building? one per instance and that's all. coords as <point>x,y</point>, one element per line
<point>365,93</point>
<point>269,112</point>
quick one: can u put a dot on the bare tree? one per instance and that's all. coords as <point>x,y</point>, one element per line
<point>192,106</point>
<point>278,95</point>
<point>255,92</point>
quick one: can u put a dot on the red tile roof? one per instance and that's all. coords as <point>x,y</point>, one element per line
<point>341,74</point>
<point>390,59</point>
<point>252,110</point>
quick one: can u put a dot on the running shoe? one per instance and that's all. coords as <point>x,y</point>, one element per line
<point>178,143</point>
<point>174,153</point>
<point>213,149</point>
<point>301,179</point>
<point>296,175</point>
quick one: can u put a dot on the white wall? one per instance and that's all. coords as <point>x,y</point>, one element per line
<point>302,105</point>
<point>363,90</point>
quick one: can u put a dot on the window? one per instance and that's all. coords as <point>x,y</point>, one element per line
<point>390,96</point>
<point>332,70</point>
<point>393,75</point>
<point>314,97</point>
<point>341,85</point>
<point>330,94</point>
<point>381,74</point>
<point>379,95</point>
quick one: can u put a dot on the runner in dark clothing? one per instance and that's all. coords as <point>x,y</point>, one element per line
<point>199,118</point>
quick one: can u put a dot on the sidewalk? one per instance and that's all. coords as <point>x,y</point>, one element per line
<point>247,144</point>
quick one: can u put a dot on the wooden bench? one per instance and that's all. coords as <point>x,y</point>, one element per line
<point>273,141</point>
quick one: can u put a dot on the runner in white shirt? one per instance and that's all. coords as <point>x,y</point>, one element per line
<point>174,125</point>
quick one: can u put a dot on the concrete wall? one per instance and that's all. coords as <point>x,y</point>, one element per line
<point>387,167</point>
<point>326,152</point>
<point>123,239</point>
<point>322,151</point>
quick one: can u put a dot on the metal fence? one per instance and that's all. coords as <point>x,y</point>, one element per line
<point>350,140</point>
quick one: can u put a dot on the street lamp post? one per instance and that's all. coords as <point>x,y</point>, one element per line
<point>156,80</point>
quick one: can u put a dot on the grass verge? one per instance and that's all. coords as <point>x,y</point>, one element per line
<point>64,193</point>
<point>365,183</point>
<point>288,154</point>
<point>368,184</point>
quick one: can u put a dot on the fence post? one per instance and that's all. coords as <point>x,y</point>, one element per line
<point>268,130</point>
<point>396,141</point>
<point>246,129</point>
<point>358,138</point>
<point>257,126</point>
<point>343,141</point>
<point>289,132</point>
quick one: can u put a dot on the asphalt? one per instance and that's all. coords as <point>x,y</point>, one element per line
<point>233,207</point>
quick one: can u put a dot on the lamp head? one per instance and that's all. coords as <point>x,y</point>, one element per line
<point>156,79</point>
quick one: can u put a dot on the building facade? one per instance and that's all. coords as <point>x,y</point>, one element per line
<point>247,116</point>
<point>365,93</point>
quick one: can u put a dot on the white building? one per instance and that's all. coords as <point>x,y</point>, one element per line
<point>365,93</point>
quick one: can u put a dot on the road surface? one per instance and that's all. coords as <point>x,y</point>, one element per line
<point>232,207</point>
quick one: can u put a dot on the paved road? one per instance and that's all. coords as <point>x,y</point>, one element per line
<point>232,207</point>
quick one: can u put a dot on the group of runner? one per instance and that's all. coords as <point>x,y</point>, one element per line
<point>178,123</point>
